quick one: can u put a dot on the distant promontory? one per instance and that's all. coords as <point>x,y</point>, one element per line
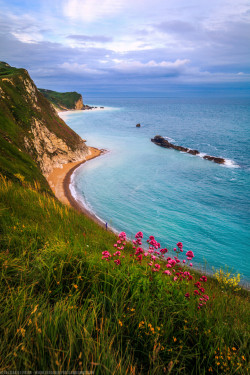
<point>65,101</point>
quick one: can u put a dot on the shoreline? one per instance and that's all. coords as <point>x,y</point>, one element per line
<point>59,181</point>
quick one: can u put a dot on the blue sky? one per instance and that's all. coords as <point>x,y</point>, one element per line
<point>129,46</point>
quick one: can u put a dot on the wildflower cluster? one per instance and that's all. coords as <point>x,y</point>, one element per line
<point>119,245</point>
<point>228,280</point>
<point>200,292</point>
<point>227,359</point>
<point>171,267</point>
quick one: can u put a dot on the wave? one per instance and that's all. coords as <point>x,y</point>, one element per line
<point>231,164</point>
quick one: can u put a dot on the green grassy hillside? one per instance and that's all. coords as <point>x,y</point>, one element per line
<point>62,100</point>
<point>64,308</point>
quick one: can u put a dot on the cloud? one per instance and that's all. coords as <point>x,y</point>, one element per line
<point>127,42</point>
<point>92,10</point>
<point>149,67</point>
<point>90,38</point>
<point>80,69</point>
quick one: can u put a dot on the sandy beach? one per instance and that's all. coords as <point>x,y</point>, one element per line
<point>59,181</point>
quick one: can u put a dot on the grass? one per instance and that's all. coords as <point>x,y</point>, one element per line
<point>61,99</point>
<point>64,308</point>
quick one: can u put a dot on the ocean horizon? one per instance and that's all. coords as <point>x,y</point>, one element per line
<point>172,195</point>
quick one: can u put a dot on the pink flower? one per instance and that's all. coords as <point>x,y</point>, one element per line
<point>167,272</point>
<point>190,254</point>
<point>157,266</point>
<point>139,235</point>
<point>198,284</point>
<point>153,257</point>
<point>117,262</point>
<point>139,250</point>
<point>175,278</point>
<point>155,270</point>
<point>184,261</point>
<point>203,278</point>
<point>187,295</point>
<point>164,251</point>
<point>172,262</point>
<point>139,257</point>
<point>122,236</point>
<point>106,254</point>
<point>115,245</point>
<point>117,253</point>
<point>191,264</point>
<point>145,254</point>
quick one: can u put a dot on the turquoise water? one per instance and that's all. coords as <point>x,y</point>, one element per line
<point>171,195</point>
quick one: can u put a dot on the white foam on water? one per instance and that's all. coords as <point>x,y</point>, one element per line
<point>201,154</point>
<point>169,139</point>
<point>230,164</point>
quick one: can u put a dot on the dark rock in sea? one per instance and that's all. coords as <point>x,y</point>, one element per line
<point>160,141</point>
<point>214,159</point>
<point>138,125</point>
<point>102,107</point>
<point>193,152</point>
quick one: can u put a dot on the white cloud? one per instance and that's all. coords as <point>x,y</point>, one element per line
<point>92,10</point>
<point>133,66</point>
<point>79,69</point>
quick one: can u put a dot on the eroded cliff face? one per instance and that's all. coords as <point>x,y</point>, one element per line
<point>51,151</point>
<point>34,124</point>
<point>79,104</point>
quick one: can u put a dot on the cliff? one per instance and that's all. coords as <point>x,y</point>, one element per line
<point>31,132</point>
<point>64,100</point>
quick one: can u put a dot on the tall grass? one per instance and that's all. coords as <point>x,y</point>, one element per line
<point>64,308</point>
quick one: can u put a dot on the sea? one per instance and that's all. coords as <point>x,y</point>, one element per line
<point>174,196</point>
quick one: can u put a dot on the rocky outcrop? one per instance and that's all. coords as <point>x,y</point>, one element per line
<point>51,151</point>
<point>160,141</point>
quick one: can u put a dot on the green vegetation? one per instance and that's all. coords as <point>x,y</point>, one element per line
<point>64,308</point>
<point>21,105</point>
<point>62,100</point>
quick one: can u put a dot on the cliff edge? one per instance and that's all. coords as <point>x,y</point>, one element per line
<point>64,101</point>
<point>30,128</point>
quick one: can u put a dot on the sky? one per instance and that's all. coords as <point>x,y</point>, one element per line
<point>125,47</point>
